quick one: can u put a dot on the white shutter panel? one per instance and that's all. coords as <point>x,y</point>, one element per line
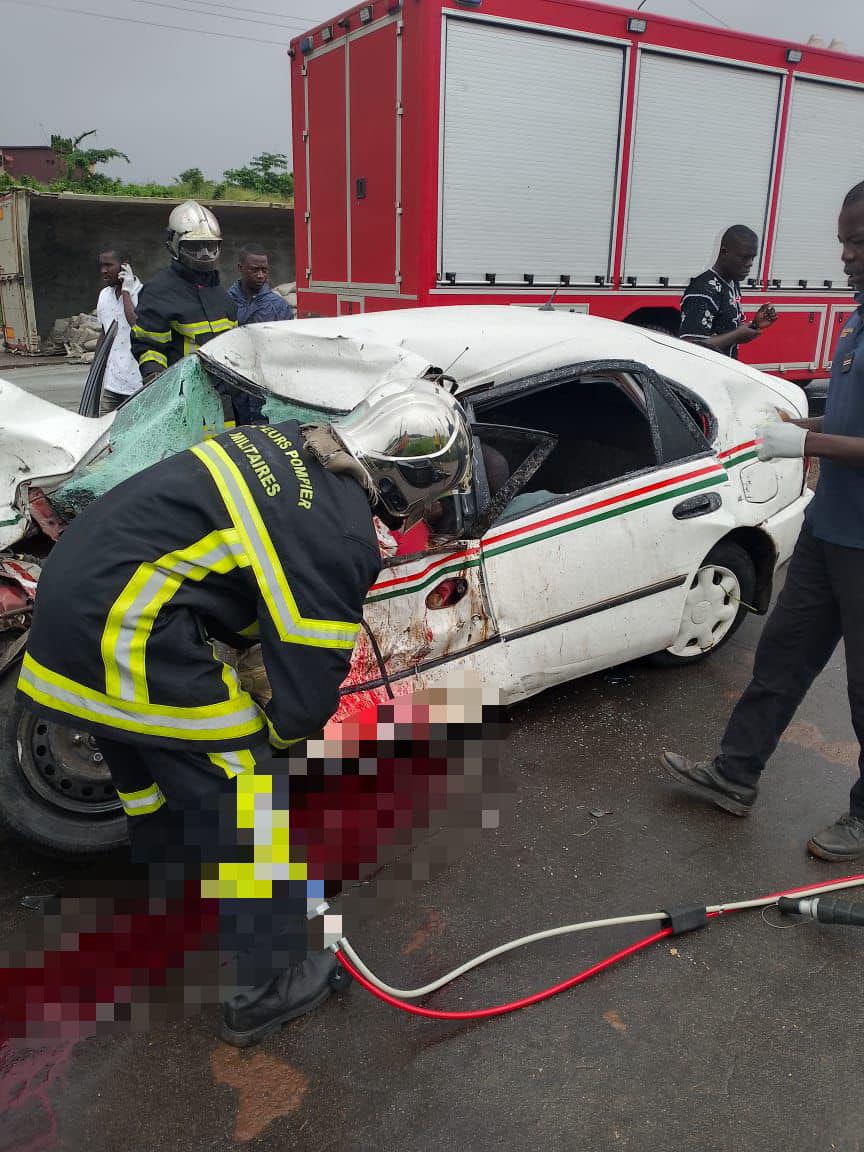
<point>704,141</point>
<point>530,150</point>
<point>824,158</point>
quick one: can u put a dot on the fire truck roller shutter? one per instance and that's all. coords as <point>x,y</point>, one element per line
<point>695,171</point>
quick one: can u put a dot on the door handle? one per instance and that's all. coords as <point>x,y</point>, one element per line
<point>699,505</point>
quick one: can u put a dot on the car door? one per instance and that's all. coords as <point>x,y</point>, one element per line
<point>590,566</point>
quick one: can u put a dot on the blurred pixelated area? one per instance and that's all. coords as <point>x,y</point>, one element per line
<point>384,800</point>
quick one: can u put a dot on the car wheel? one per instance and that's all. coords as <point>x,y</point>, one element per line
<point>715,606</point>
<point>55,789</point>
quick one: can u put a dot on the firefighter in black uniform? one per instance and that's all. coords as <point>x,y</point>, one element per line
<point>265,532</point>
<point>184,305</point>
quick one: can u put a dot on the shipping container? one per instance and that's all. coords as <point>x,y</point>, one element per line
<point>495,151</point>
<point>49,247</point>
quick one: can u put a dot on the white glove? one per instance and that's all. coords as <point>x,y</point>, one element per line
<point>129,282</point>
<point>781,440</point>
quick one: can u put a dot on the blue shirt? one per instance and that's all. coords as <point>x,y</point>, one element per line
<point>836,513</point>
<point>265,305</point>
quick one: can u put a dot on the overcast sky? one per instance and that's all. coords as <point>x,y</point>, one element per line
<point>155,87</point>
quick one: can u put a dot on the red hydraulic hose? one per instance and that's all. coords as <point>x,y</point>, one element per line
<point>547,993</point>
<point>502,1009</point>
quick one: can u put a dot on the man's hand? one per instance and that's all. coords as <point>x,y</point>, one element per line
<point>781,441</point>
<point>764,318</point>
<point>129,282</point>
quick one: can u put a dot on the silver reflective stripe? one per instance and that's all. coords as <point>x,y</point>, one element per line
<point>171,718</point>
<point>234,762</point>
<point>152,588</point>
<point>287,624</point>
<point>150,798</point>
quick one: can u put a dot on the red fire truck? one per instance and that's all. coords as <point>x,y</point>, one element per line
<point>480,151</point>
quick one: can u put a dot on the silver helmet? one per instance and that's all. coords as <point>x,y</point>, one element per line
<point>412,439</point>
<point>194,236</point>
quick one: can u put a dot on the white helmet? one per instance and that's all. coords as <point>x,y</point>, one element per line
<point>413,440</point>
<point>194,236</point>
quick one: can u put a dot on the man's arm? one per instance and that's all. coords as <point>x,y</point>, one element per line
<point>306,671</point>
<point>129,309</point>
<point>151,335</point>
<point>698,314</point>
<point>844,449</point>
<point>131,289</point>
<point>743,334</point>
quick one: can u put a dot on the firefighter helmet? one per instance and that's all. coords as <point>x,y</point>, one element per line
<point>194,236</point>
<point>412,439</point>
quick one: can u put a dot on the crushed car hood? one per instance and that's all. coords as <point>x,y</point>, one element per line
<point>40,444</point>
<point>327,369</point>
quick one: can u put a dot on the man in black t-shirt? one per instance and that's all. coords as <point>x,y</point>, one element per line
<point>711,312</point>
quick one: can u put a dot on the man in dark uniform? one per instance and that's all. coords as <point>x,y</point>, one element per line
<point>822,601</point>
<point>266,534</point>
<point>711,313</point>
<point>184,305</point>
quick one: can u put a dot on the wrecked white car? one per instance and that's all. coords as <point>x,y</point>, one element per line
<point>618,510</point>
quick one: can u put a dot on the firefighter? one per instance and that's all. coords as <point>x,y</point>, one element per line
<point>184,305</point>
<point>262,533</point>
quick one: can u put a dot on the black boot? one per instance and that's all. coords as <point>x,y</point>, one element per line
<point>250,1016</point>
<point>843,840</point>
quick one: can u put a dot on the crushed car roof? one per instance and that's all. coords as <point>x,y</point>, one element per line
<point>331,363</point>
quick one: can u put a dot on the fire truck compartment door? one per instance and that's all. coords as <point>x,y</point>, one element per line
<point>530,151</point>
<point>702,156</point>
<point>823,161</point>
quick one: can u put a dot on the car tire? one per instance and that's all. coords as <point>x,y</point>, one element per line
<point>717,602</point>
<point>64,829</point>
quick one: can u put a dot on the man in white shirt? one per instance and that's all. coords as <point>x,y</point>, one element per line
<point>118,301</point>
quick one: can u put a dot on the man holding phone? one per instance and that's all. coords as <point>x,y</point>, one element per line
<point>711,312</point>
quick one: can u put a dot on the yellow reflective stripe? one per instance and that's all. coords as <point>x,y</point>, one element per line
<point>278,741</point>
<point>233,763</point>
<point>133,614</point>
<point>251,630</point>
<point>156,337</point>
<point>291,626</point>
<point>144,802</point>
<point>253,880</point>
<point>157,357</point>
<point>224,721</point>
<point>202,327</point>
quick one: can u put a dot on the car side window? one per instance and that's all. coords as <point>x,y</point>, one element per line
<point>679,435</point>
<point>603,434</point>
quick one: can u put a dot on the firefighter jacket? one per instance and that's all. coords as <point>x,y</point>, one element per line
<point>178,311</point>
<point>243,537</point>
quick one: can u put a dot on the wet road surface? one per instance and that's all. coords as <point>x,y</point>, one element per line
<point>737,1036</point>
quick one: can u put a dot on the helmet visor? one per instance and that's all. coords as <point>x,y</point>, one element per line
<point>200,254</point>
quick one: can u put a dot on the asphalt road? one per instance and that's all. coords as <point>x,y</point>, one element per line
<point>61,383</point>
<point>737,1036</point>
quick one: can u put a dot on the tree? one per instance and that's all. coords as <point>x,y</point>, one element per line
<point>80,163</point>
<point>193,178</point>
<point>266,174</point>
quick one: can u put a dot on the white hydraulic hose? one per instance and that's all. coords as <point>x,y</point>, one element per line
<point>613,922</point>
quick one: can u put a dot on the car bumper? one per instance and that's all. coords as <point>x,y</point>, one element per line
<point>785,526</point>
